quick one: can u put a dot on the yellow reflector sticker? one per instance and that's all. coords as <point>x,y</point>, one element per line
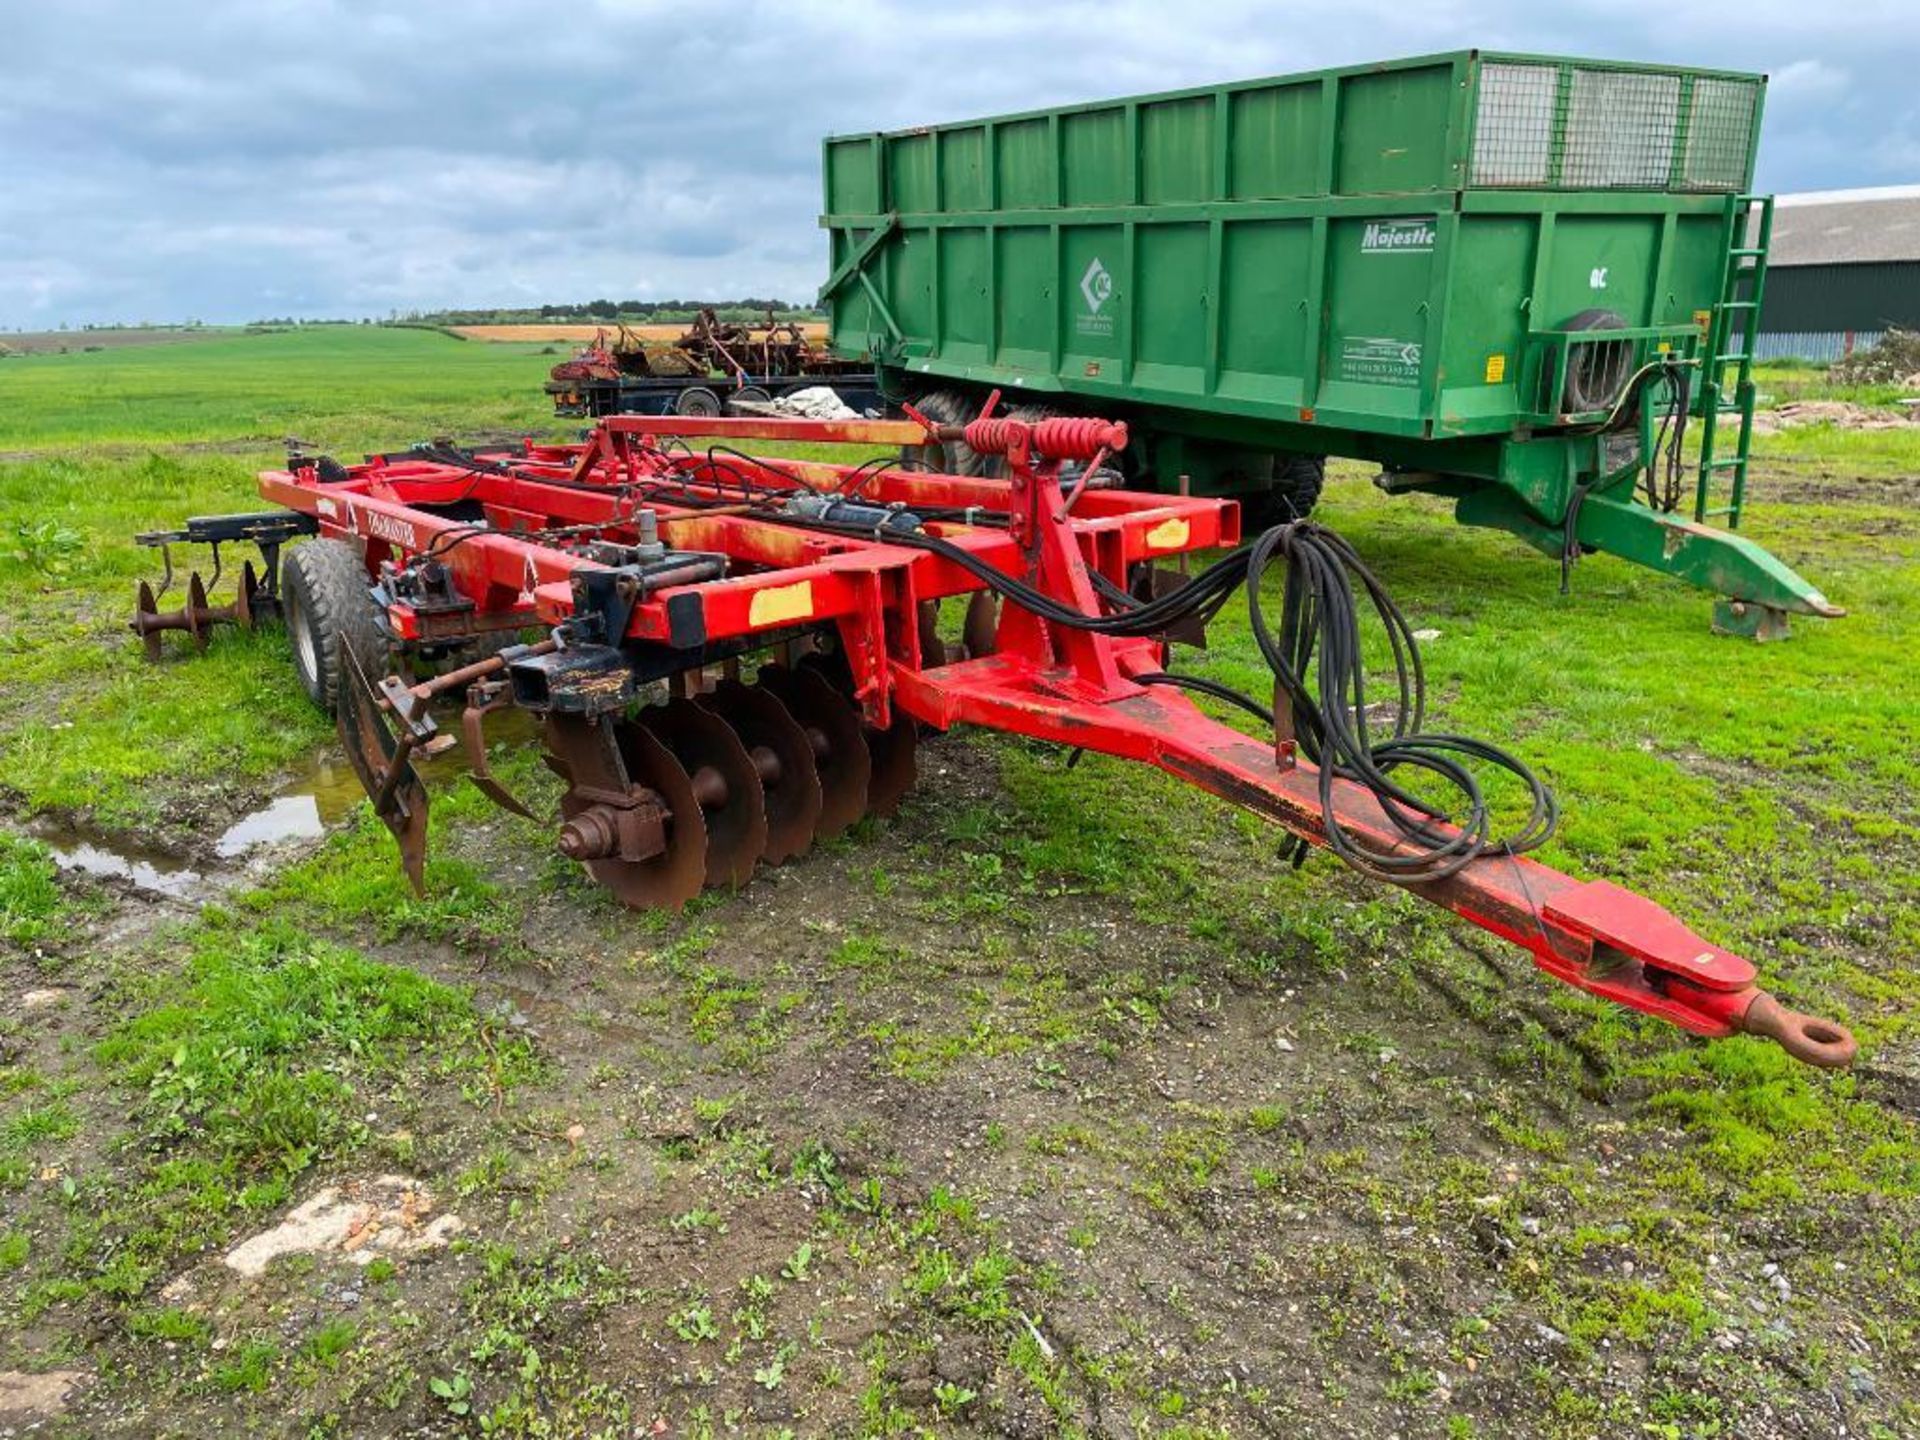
<point>781,603</point>
<point>1496,369</point>
<point>1168,534</point>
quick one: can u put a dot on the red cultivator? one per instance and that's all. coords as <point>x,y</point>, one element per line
<point>656,555</point>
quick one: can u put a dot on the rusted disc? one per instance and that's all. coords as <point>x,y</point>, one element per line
<point>144,618</point>
<point>196,611</point>
<point>724,779</point>
<point>769,732</point>
<point>674,876</point>
<point>833,731</point>
<point>598,758</point>
<point>894,770</point>
<point>982,624</point>
<point>370,748</point>
<point>933,650</point>
<point>243,602</point>
<point>892,749</point>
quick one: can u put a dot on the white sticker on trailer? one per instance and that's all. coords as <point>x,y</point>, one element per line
<point>386,527</point>
<point>1412,236</point>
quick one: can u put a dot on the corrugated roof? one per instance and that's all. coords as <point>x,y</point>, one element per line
<point>1846,227</point>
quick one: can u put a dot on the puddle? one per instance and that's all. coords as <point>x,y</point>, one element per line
<point>319,796</point>
<point>150,871</point>
<point>301,811</point>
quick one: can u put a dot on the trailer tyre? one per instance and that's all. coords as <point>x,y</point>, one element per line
<point>327,605</point>
<point>1297,483</point>
<point>698,401</point>
<point>954,457</point>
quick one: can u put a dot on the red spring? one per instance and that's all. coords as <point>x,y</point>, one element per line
<point>990,437</point>
<point>1062,438</point>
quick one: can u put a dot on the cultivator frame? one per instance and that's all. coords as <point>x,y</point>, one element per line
<point>658,552</point>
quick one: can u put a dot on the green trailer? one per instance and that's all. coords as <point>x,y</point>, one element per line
<point>1511,280</point>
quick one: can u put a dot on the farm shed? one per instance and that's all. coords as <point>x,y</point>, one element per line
<point>1845,265</point>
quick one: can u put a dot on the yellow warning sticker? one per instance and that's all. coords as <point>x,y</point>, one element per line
<point>1703,319</point>
<point>781,603</point>
<point>1169,534</point>
<point>1496,369</point>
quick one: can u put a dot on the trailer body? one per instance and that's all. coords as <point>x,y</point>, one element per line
<point>1449,265</point>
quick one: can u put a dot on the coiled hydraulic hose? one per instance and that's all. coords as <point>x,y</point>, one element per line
<point>1315,656</point>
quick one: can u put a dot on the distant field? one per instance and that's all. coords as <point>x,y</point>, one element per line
<point>55,342</point>
<point>539,333</point>
<point>345,386</point>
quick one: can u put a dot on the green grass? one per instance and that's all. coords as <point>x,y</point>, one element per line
<point>331,385</point>
<point>33,906</point>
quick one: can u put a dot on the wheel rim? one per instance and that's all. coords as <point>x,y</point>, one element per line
<point>306,655</point>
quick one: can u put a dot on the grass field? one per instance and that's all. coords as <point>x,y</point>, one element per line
<point>1057,1105</point>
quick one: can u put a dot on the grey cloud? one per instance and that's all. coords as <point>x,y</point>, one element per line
<point>226,160</point>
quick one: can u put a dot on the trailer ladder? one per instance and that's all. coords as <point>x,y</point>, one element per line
<point>1733,330</point>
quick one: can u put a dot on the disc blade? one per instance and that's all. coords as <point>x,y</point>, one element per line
<point>982,624</point>
<point>678,873</point>
<point>371,748</point>
<point>196,611</point>
<point>894,766</point>
<point>602,759</point>
<point>833,731</point>
<point>793,795</point>
<point>933,650</point>
<point>143,617</point>
<point>737,819</point>
<point>243,602</point>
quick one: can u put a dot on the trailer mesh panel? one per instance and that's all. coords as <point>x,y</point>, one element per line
<point>1579,127</point>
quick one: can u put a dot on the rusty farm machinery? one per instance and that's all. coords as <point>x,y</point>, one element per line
<point>729,655</point>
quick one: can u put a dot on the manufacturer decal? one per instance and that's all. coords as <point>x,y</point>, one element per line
<point>385,527</point>
<point>1380,360</point>
<point>1096,289</point>
<point>1413,236</point>
<point>1598,279</point>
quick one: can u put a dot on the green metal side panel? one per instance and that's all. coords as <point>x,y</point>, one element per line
<point>1374,250</point>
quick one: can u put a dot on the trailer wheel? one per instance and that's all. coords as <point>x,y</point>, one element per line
<point>955,457</point>
<point>747,395</point>
<point>1297,483</point>
<point>699,402</point>
<point>325,596</point>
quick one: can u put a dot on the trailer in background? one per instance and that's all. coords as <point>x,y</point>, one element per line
<point>717,367</point>
<point>1509,280</point>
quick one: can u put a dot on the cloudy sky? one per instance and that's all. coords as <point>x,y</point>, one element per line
<point>231,159</point>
